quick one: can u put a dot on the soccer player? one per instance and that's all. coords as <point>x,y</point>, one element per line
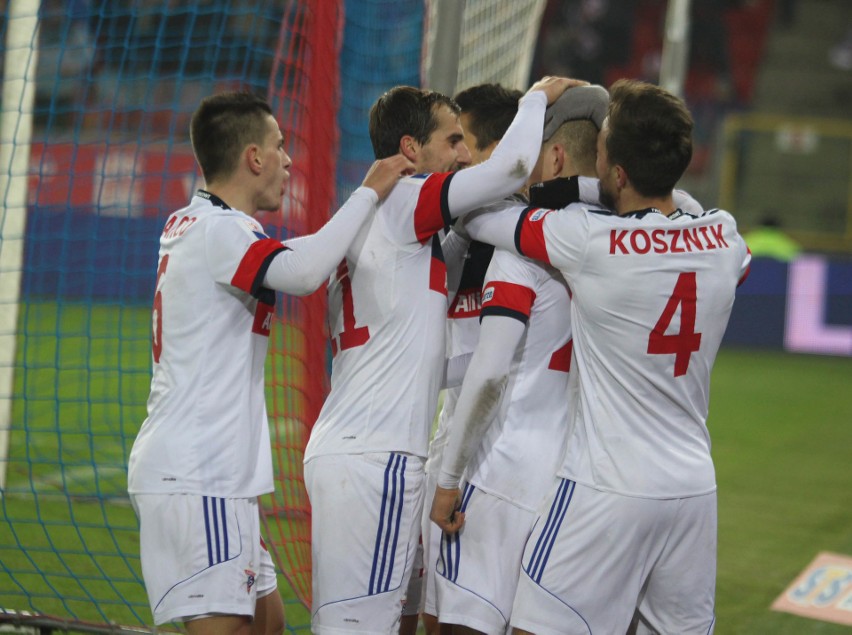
<point>202,456</point>
<point>629,531</point>
<point>388,306</point>
<point>487,111</point>
<point>524,354</point>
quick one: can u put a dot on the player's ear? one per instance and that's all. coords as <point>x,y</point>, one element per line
<point>409,147</point>
<point>557,158</point>
<point>621,178</point>
<point>253,158</point>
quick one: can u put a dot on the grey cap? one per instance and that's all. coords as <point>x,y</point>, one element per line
<point>580,102</point>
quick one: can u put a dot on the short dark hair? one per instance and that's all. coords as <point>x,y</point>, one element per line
<point>491,108</point>
<point>222,126</point>
<point>650,135</point>
<point>579,138</point>
<point>405,110</point>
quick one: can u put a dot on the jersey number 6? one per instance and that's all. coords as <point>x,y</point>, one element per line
<point>157,327</point>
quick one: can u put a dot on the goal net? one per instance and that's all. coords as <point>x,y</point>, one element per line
<point>94,155</point>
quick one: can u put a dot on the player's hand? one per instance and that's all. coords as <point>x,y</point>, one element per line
<point>384,173</point>
<point>445,510</point>
<point>553,87</point>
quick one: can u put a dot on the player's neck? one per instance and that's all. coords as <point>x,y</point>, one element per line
<point>233,195</point>
<point>632,201</point>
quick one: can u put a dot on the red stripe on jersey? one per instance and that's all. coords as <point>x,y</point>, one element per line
<point>508,295</point>
<point>466,304</point>
<point>432,214</point>
<point>561,359</point>
<point>263,318</point>
<point>530,234</point>
<point>747,271</point>
<point>253,262</point>
<point>438,275</point>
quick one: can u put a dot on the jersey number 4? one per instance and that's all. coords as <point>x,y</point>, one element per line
<point>683,344</point>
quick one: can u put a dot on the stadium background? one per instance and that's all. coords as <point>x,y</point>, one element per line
<point>85,194</point>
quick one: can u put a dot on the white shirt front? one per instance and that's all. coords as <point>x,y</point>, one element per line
<point>206,432</point>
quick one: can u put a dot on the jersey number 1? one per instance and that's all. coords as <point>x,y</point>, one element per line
<point>351,335</point>
<point>686,341</point>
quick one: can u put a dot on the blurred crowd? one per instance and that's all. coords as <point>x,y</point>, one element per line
<point>602,40</point>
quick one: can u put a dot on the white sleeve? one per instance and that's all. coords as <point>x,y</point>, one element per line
<point>455,369</point>
<point>308,261</point>
<point>684,201</point>
<point>454,246</point>
<point>590,191</point>
<point>509,166</point>
<point>480,395</point>
<point>495,227</point>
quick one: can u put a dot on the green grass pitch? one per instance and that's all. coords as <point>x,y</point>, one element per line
<point>780,426</point>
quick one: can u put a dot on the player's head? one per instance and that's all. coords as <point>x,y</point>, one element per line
<point>569,147</point>
<point>646,140</point>
<point>421,124</point>
<point>234,131</point>
<point>487,111</point>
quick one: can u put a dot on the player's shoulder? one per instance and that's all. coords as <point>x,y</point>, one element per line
<point>573,213</point>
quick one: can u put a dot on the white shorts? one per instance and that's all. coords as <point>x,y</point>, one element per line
<point>479,566</point>
<point>365,525</point>
<point>201,555</point>
<point>594,558</point>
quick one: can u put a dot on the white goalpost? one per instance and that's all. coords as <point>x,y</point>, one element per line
<point>471,42</point>
<point>15,137</point>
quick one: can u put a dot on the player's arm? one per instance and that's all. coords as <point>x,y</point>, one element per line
<point>512,161</point>
<point>684,201</point>
<point>307,262</point>
<point>454,245</point>
<point>496,228</point>
<point>478,402</point>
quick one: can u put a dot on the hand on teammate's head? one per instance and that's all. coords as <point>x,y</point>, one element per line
<point>584,102</point>
<point>553,87</point>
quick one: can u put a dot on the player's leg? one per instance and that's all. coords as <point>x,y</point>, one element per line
<point>269,609</point>
<point>478,567</point>
<point>366,523</point>
<point>679,596</point>
<point>200,557</point>
<point>268,615</point>
<point>584,562</point>
<point>219,625</point>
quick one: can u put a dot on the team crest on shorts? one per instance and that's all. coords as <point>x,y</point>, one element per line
<point>538,214</point>
<point>251,576</point>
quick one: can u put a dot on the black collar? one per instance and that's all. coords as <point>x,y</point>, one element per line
<point>218,202</point>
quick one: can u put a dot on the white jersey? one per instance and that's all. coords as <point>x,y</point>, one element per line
<point>651,300</point>
<point>521,450</point>
<point>388,302</point>
<point>206,432</point>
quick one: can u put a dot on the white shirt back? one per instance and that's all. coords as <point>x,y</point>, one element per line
<point>521,450</point>
<point>651,300</point>
<point>207,432</point>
